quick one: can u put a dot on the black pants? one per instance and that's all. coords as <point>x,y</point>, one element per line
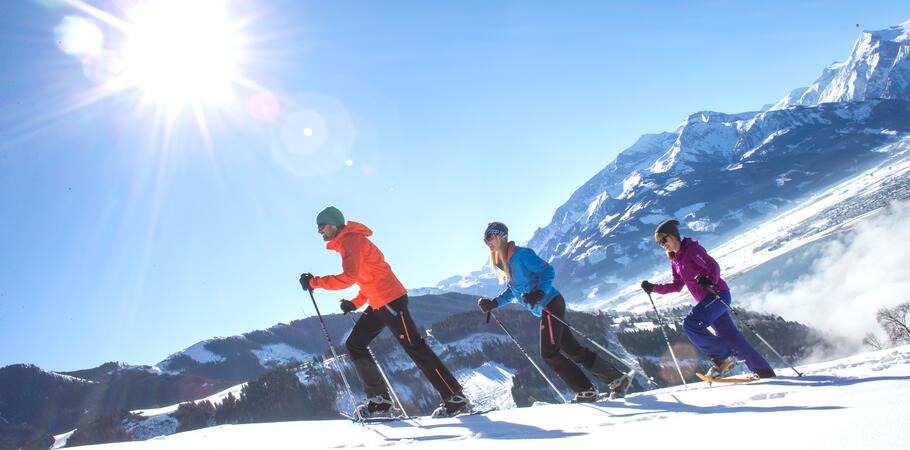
<point>396,317</point>
<point>561,351</point>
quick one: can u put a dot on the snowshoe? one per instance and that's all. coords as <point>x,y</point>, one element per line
<point>722,367</point>
<point>744,379</point>
<point>377,406</point>
<point>453,406</point>
<point>619,386</point>
<point>585,396</point>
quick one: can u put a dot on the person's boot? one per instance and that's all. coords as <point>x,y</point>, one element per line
<point>379,405</point>
<point>721,367</point>
<point>765,372</point>
<point>452,406</point>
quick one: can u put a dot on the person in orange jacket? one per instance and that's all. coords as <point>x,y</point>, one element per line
<point>387,307</point>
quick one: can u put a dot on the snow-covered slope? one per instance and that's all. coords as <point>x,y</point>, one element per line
<point>826,212</point>
<point>857,402</point>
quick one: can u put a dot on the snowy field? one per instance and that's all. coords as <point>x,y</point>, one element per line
<point>852,403</point>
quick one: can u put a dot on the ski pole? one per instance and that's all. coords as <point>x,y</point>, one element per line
<point>490,314</point>
<point>384,378</point>
<point>730,308</point>
<point>604,349</point>
<point>660,321</point>
<point>328,338</point>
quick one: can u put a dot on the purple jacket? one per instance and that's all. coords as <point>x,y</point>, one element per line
<point>692,260</point>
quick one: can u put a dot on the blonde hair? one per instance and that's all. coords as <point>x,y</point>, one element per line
<point>500,264</point>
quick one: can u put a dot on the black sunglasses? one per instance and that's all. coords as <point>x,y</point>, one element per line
<point>663,240</point>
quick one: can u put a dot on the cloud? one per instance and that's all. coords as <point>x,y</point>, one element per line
<point>857,273</point>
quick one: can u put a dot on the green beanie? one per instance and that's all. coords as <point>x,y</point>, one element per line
<point>330,216</point>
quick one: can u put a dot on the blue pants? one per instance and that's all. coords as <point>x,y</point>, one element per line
<point>729,340</point>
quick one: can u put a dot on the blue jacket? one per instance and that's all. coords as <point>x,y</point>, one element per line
<point>529,273</point>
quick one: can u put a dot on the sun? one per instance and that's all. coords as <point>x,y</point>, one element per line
<point>181,52</point>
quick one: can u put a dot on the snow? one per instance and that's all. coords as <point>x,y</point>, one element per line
<point>674,185</point>
<point>876,68</point>
<point>644,325</point>
<point>214,399</point>
<point>702,226</point>
<point>475,342</point>
<point>685,211</point>
<point>273,355</point>
<point>856,402</point>
<point>775,237</point>
<point>488,386</point>
<point>652,219</point>
<point>70,378</point>
<point>198,353</point>
<point>60,439</point>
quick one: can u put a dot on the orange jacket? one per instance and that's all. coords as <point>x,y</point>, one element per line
<point>363,264</point>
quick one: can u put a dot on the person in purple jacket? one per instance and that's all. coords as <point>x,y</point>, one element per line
<point>693,268</point>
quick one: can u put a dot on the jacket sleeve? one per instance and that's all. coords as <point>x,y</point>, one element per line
<point>710,267</point>
<point>543,271</point>
<point>505,298</point>
<point>359,300</point>
<point>675,286</point>
<point>351,253</point>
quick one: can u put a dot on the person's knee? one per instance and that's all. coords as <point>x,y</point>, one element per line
<point>693,324</point>
<point>354,346</point>
<point>411,343</point>
<point>582,356</point>
<point>551,356</point>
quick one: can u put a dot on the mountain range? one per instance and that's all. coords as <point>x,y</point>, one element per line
<point>722,175</point>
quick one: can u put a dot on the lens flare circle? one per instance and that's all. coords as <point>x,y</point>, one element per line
<point>79,36</point>
<point>264,106</point>
<point>316,135</point>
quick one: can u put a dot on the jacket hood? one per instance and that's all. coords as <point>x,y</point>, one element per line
<point>351,228</point>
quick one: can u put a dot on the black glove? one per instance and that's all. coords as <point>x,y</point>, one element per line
<point>347,306</point>
<point>647,286</point>
<point>487,304</point>
<point>533,297</point>
<point>305,279</point>
<point>704,282</point>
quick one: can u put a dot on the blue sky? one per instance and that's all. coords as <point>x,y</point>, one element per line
<point>432,119</point>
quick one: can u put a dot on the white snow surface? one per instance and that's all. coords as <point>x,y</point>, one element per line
<point>856,402</point>
<point>475,341</point>
<point>273,355</point>
<point>198,352</point>
<point>488,386</point>
<point>214,399</point>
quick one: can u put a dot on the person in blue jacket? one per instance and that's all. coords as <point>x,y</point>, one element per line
<point>530,283</point>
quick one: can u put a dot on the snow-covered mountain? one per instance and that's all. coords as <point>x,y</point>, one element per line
<point>878,67</point>
<point>241,357</point>
<point>857,402</point>
<point>722,175</point>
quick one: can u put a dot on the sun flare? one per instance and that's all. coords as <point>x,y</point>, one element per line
<point>177,54</point>
<point>181,52</point>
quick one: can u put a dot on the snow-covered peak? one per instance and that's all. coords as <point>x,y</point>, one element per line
<point>897,33</point>
<point>878,67</point>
